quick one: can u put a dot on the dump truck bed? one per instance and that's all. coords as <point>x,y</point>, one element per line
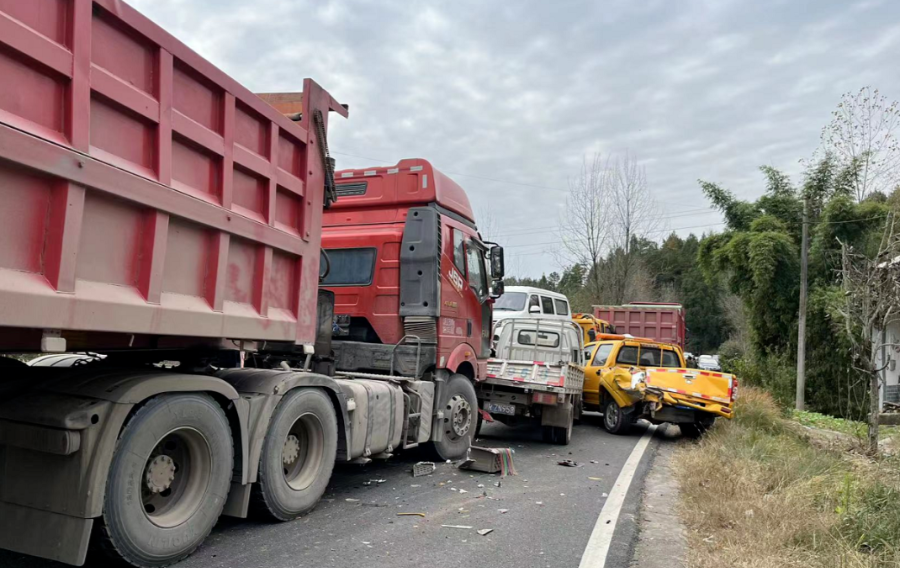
<point>146,193</point>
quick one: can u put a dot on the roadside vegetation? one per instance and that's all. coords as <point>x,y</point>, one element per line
<point>757,492</point>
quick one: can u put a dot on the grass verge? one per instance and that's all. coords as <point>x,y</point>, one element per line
<point>757,494</point>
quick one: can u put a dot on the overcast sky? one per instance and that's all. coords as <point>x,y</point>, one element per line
<point>520,92</point>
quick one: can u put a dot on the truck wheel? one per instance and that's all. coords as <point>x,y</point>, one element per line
<point>297,456</point>
<point>615,419</point>
<point>168,480</point>
<point>559,435</point>
<point>478,423</point>
<point>460,407</point>
<point>692,431</point>
<point>578,411</point>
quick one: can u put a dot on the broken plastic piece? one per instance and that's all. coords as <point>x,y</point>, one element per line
<point>423,468</point>
<point>456,526</point>
<point>483,532</point>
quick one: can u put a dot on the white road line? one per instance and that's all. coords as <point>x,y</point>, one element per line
<point>601,537</point>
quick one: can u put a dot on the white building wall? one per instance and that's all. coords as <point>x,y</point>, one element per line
<point>890,386</point>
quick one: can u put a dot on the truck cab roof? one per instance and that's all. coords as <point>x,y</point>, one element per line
<point>384,193</point>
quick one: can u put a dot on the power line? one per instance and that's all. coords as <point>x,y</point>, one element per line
<point>486,178</point>
<point>550,228</point>
<point>647,233</point>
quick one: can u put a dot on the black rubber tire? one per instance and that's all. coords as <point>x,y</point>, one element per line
<point>578,410</point>
<point>620,421</point>
<point>452,447</point>
<point>272,496</point>
<point>478,423</point>
<point>691,431</point>
<point>563,435</point>
<point>547,434</point>
<point>125,531</point>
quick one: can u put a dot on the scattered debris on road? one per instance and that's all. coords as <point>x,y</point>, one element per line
<point>457,527</point>
<point>595,478</point>
<point>484,532</point>
<point>411,515</point>
<point>490,460</point>
<point>423,468</point>
<point>349,500</point>
<point>567,463</point>
<point>502,511</point>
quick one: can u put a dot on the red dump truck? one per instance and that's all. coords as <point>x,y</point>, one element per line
<point>659,321</point>
<point>166,222</point>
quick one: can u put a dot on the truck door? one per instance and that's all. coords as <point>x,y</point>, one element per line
<point>480,308</point>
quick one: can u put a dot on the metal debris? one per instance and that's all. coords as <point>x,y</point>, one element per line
<point>457,527</point>
<point>423,468</point>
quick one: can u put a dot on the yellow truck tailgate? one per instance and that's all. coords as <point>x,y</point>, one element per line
<point>687,384</point>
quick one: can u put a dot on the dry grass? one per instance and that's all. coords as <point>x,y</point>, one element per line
<point>757,495</point>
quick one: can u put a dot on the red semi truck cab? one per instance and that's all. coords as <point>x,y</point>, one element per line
<point>407,267</point>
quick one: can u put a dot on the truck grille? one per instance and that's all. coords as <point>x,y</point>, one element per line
<point>348,189</point>
<point>424,327</point>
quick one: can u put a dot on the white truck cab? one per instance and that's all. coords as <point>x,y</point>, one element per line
<point>528,302</point>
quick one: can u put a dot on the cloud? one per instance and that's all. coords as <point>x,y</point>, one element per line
<point>521,91</point>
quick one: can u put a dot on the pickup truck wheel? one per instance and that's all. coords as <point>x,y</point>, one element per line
<point>297,456</point>
<point>615,419</point>
<point>692,431</point>
<point>460,407</point>
<point>168,480</point>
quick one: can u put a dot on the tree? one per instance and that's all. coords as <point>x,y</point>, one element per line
<point>861,135</point>
<point>870,304</point>
<point>488,226</point>
<point>584,227</point>
<point>633,215</point>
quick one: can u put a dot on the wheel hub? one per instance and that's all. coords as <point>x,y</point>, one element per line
<point>612,415</point>
<point>291,449</point>
<point>160,473</point>
<point>460,415</point>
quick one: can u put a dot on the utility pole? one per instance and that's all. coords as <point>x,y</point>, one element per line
<point>801,328</point>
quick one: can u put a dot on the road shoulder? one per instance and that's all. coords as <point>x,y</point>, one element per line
<point>661,540</point>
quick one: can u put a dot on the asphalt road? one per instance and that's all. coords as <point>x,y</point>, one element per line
<point>551,511</point>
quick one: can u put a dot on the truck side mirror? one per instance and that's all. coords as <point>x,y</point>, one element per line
<point>497,288</point>
<point>534,310</point>
<point>497,266</point>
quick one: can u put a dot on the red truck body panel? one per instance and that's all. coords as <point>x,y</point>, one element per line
<point>660,322</point>
<point>145,192</point>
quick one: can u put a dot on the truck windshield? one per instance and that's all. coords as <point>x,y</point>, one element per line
<point>511,302</point>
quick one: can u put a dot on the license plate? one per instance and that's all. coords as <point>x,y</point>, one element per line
<point>501,409</point>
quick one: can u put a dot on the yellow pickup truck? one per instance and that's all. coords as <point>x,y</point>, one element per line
<point>628,378</point>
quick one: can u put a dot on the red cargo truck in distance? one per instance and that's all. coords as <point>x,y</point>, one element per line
<point>660,321</point>
<point>412,293</point>
<point>162,217</point>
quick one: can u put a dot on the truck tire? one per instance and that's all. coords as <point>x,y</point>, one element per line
<point>615,419</point>
<point>460,406</point>
<point>558,435</point>
<point>690,430</point>
<point>578,410</point>
<point>298,455</point>
<point>168,480</point>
